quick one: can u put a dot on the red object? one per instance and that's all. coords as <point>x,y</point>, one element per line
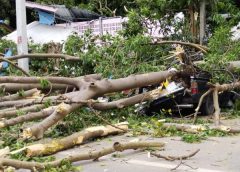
<point>194,86</point>
<point>19,40</point>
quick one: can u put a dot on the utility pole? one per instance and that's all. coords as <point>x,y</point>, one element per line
<point>22,45</point>
<point>202,29</point>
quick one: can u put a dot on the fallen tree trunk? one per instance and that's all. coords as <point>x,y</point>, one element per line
<point>88,90</point>
<point>78,157</point>
<point>72,140</point>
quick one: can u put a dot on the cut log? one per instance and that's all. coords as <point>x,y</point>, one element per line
<point>73,140</point>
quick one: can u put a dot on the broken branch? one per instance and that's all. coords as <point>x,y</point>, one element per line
<point>64,56</point>
<point>73,140</point>
<point>173,158</point>
<point>17,67</point>
<point>78,157</point>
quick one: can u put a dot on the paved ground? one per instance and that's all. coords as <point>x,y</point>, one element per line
<point>216,155</point>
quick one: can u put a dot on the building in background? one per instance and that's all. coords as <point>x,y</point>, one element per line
<point>56,23</point>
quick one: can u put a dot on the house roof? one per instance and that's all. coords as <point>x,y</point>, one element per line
<point>41,33</point>
<point>63,13</point>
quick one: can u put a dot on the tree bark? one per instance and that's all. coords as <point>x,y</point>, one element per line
<point>73,140</point>
<point>28,117</point>
<point>12,113</point>
<point>18,96</point>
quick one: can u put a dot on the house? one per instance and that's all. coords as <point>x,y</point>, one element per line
<point>56,23</point>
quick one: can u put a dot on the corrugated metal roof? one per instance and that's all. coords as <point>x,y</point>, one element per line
<point>63,13</point>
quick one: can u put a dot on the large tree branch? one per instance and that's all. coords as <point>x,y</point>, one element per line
<point>72,140</point>
<point>78,81</point>
<point>197,46</point>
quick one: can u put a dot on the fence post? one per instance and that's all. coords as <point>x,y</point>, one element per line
<point>100,26</point>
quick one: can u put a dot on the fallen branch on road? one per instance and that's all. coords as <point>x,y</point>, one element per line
<point>94,155</point>
<point>173,158</point>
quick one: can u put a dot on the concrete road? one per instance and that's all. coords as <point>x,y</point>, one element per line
<point>216,155</point>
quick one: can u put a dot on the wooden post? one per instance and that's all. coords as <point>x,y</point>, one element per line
<point>202,21</point>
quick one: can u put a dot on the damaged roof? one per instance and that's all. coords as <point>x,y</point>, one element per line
<point>61,12</point>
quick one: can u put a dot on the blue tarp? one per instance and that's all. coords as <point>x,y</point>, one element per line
<point>7,54</point>
<point>46,18</point>
<point>5,65</point>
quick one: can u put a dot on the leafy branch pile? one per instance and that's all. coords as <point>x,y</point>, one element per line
<point>68,102</point>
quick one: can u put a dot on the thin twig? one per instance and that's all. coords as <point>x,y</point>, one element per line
<point>177,165</point>
<point>97,114</point>
<point>194,168</point>
<point>199,105</point>
<point>49,92</point>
